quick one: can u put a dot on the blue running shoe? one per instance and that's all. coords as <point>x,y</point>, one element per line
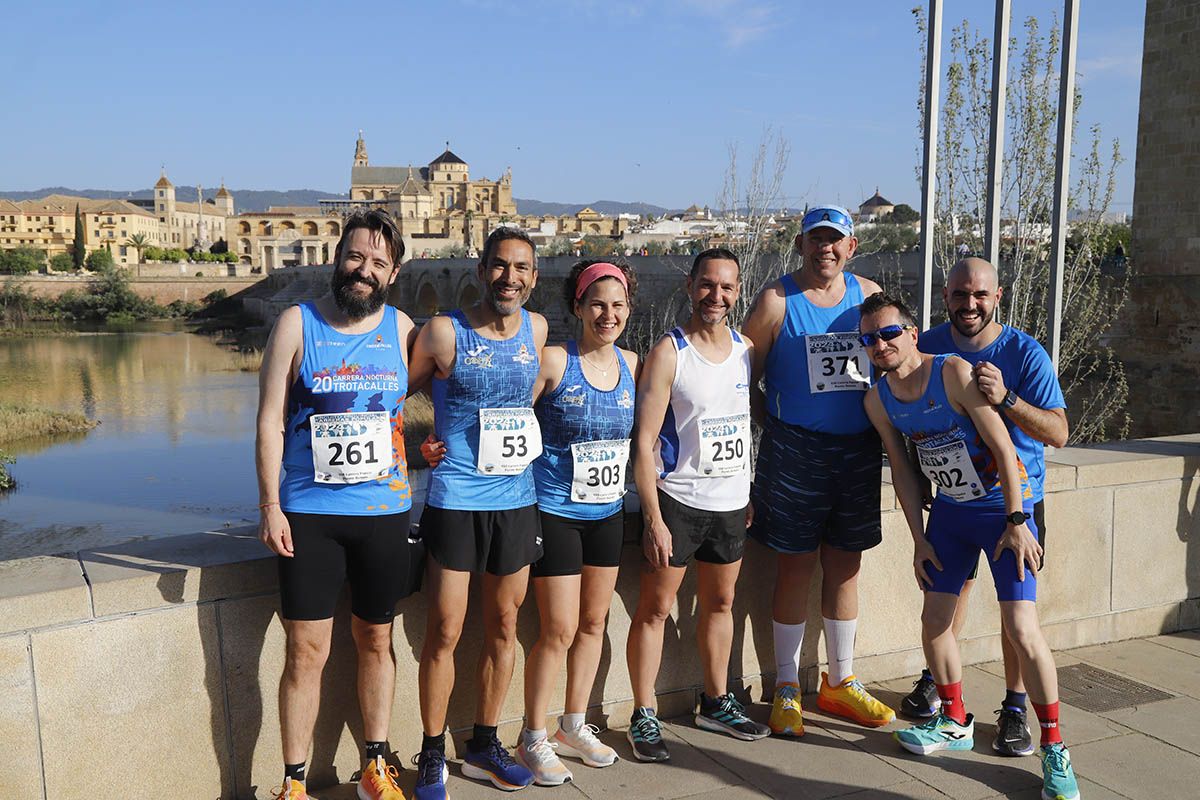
<point>923,701</point>
<point>493,763</point>
<point>431,775</point>
<point>939,733</point>
<point>645,735</point>
<point>725,714</point>
<point>1058,779</point>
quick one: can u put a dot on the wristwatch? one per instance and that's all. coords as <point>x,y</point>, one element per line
<point>1017,517</point>
<point>1010,399</point>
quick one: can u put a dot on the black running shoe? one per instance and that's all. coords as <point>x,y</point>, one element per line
<point>1012,734</point>
<point>645,734</point>
<point>725,714</point>
<point>923,701</point>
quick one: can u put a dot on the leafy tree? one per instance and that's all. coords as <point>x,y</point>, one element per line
<point>887,238</point>
<point>138,242</point>
<point>62,262</point>
<point>78,249</point>
<point>903,214</point>
<point>100,260</point>
<point>21,260</point>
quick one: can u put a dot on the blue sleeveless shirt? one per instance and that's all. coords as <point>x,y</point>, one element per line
<point>792,374</point>
<point>340,374</point>
<point>575,412</point>
<point>488,373</point>
<point>937,429</point>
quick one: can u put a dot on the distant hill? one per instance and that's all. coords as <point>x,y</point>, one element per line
<point>609,207</point>
<point>243,199</point>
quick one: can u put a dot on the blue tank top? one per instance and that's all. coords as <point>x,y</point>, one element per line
<point>813,391</point>
<point>575,412</point>
<point>342,374</point>
<point>488,373</point>
<point>939,432</point>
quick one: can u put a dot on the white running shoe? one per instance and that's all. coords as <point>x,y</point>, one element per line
<point>540,759</point>
<point>584,745</point>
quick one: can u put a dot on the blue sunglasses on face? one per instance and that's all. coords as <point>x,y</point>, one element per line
<point>822,214</point>
<point>886,333</point>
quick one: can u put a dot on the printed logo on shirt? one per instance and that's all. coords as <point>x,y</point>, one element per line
<point>476,358</point>
<point>570,397</point>
<point>626,400</point>
<point>523,356</point>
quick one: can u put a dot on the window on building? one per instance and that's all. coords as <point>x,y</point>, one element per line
<point>123,251</point>
<point>122,219</point>
<point>123,234</point>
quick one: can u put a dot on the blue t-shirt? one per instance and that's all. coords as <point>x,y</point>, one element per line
<point>1027,370</point>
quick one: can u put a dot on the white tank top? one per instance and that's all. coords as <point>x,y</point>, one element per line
<point>703,450</point>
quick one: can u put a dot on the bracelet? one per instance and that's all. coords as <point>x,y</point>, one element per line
<point>267,505</point>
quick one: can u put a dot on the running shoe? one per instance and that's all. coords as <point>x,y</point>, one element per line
<point>645,734</point>
<point>923,701</point>
<point>493,763</point>
<point>851,700</point>
<point>583,744</point>
<point>291,790</point>
<point>431,775</point>
<point>787,719</point>
<point>378,781</point>
<point>542,762</point>
<point>724,714</point>
<point>1012,734</point>
<point>939,733</point>
<point>1058,779</point>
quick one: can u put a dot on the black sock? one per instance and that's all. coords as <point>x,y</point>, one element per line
<point>481,736</point>
<point>373,749</point>
<point>1014,701</point>
<point>434,742</point>
<point>294,771</point>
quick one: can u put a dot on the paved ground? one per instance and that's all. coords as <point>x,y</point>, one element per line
<point>1147,751</point>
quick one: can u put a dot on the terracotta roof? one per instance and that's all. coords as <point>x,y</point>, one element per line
<point>447,158</point>
<point>875,201</point>
<point>163,183</point>
<point>223,192</point>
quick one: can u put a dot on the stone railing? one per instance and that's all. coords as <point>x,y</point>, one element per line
<point>153,666</point>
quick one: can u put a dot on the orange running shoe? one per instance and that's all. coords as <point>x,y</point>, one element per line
<point>851,700</point>
<point>378,781</point>
<point>291,790</point>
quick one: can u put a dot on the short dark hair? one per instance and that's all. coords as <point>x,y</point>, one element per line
<point>378,221</point>
<point>711,253</point>
<point>573,279</point>
<point>879,301</point>
<point>505,232</point>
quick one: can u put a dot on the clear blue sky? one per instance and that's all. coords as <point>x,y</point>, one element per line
<point>585,99</point>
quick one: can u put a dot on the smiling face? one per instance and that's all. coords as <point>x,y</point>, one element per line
<point>363,275</point>
<point>890,354</point>
<point>508,277</point>
<point>603,310</point>
<point>826,250</point>
<point>714,289</point>
<point>971,295</point>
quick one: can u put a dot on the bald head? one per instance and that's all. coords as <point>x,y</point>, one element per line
<point>973,270</point>
<point>971,293</point>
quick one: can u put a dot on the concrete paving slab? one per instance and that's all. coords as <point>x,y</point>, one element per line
<point>1163,667</point>
<point>42,591</point>
<point>912,790</point>
<point>21,775</point>
<point>1172,721</point>
<point>1138,766</point>
<point>1087,789</point>
<point>1184,641</point>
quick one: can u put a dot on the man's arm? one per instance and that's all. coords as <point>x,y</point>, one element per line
<point>1047,425</point>
<point>761,327</point>
<point>279,358</point>
<point>432,353</point>
<point>653,398</point>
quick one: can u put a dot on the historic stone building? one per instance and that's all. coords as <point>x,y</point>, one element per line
<point>285,236</point>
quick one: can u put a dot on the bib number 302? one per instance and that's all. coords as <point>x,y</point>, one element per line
<point>509,439</point>
<point>949,468</point>
<point>353,447</point>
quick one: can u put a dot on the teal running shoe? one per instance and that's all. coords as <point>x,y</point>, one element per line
<point>939,733</point>
<point>1058,779</point>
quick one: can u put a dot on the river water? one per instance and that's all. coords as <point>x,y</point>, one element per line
<point>173,453</point>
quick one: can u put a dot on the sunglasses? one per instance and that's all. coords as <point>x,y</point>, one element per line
<point>826,215</point>
<point>886,333</point>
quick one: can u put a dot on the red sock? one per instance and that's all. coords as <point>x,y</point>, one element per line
<point>952,701</point>
<point>1048,718</point>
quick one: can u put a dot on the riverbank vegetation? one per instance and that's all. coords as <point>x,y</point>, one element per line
<point>21,422</point>
<point>108,298</point>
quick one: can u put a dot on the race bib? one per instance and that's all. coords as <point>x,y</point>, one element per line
<point>352,447</point>
<point>599,472</point>
<point>509,439</point>
<point>950,469</point>
<point>837,362</point>
<point>724,445</point>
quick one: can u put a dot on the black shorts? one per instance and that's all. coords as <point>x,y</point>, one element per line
<point>714,537</point>
<point>570,544</point>
<point>496,542</point>
<point>816,488</point>
<point>1039,520</point>
<point>373,552</point>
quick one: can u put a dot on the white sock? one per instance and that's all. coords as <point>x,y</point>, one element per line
<point>839,648</point>
<point>570,722</point>
<point>529,737</point>
<point>788,639</point>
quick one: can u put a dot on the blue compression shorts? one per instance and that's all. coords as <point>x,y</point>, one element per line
<point>958,533</point>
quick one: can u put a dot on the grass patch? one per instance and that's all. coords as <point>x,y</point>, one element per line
<point>248,360</point>
<point>21,422</point>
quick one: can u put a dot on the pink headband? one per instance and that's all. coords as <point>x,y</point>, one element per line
<point>594,273</point>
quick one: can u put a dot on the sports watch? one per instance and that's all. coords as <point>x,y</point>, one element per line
<point>1010,399</point>
<point>1017,517</point>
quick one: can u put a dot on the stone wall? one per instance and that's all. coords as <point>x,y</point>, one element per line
<point>1158,336</point>
<point>153,665</point>
<point>162,290</point>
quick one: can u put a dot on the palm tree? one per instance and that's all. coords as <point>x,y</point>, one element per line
<point>138,242</point>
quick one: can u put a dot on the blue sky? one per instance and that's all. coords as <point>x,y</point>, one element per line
<point>584,99</point>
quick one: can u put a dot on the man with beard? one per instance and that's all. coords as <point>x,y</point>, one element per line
<point>817,484</point>
<point>692,469</point>
<point>332,387</point>
<point>481,514</point>
<point>1016,376</point>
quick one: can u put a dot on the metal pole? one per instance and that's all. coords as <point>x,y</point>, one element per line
<point>1062,170</point>
<point>933,74</point>
<point>995,176</point>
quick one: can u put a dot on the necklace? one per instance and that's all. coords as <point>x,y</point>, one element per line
<point>592,364</point>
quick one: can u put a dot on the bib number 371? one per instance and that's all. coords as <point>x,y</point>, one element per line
<point>509,439</point>
<point>353,447</point>
<point>598,474</point>
<point>837,362</point>
<point>724,445</point>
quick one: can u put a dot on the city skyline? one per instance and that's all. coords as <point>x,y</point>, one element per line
<point>583,100</point>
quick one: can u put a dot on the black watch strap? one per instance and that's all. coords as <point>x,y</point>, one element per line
<point>1017,517</point>
<point>1010,399</point>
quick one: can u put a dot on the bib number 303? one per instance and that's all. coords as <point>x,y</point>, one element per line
<point>509,439</point>
<point>353,447</point>
<point>724,445</point>
<point>598,474</point>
